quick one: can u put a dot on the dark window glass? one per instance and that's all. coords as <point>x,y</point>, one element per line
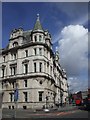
<point>12,107</point>
<point>25,96</point>
<point>40,96</point>
<point>35,52</point>
<point>24,107</point>
<point>26,52</point>
<point>25,83</point>
<point>9,107</point>
<point>40,51</point>
<point>11,97</point>
<point>13,84</point>
<point>35,38</point>
<point>34,67</point>
<point>26,68</point>
<point>40,67</point>
<point>14,70</point>
<point>4,58</point>
<point>40,37</point>
<point>3,72</point>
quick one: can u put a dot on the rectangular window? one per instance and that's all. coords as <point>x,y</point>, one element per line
<point>3,72</point>
<point>35,52</point>
<point>51,70</point>
<point>40,37</point>
<point>40,67</point>
<point>25,96</point>
<point>35,37</point>
<point>34,67</point>
<point>12,107</point>
<point>26,68</point>
<point>26,53</point>
<point>40,51</point>
<point>40,95</point>
<point>14,70</point>
<point>4,58</point>
<point>11,97</point>
<point>2,84</point>
<point>11,70</point>
<point>13,84</point>
<point>9,107</point>
<point>25,83</point>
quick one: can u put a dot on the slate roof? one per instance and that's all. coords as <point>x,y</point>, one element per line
<point>38,25</point>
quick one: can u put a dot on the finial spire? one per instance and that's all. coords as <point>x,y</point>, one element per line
<point>38,17</point>
<point>38,24</point>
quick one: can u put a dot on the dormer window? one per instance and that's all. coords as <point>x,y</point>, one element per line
<point>15,44</point>
<point>40,37</point>
<point>35,38</point>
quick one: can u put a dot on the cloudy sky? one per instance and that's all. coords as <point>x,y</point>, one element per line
<point>68,24</point>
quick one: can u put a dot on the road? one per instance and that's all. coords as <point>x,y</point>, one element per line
<point>76,113</point>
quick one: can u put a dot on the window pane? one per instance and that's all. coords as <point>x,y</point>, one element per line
<point>34,67</point>
<point>25,83</point>
<point>26,52</point>
<point>40,51</point>
<point>35,37</point>
<point>40,96</point>
<point>26,68</point>
<point>35,52</point>
<point>40,67</point>
<point>40,37</point>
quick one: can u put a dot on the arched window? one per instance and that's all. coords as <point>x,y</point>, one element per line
<point>15,44</point>
<point>35,38</point>
<point>40,37</point>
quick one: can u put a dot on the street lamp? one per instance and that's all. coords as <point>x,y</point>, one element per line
<point>46,108</point>
<point>46,101</point>
<point>16,97</point>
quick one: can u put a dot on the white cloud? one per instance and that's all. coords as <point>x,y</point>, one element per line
<point>73,48</point>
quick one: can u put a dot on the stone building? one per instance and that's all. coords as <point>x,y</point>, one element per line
<point>29,63</point>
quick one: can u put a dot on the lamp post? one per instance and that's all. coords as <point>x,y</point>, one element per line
<point>46,101</point>
<point>16,98</point>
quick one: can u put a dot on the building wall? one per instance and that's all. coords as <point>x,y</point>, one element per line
<point>49,79</point>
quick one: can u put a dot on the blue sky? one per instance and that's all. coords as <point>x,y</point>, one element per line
<point>54,17</point>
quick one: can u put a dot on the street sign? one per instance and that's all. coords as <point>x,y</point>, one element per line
<point>16,94</point>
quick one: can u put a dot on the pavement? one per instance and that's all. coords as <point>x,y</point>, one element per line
<point>63,108</point>
<point>32,112</point>
<point>56,115</point>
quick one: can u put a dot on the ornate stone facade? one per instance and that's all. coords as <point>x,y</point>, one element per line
<point>29,63</point>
